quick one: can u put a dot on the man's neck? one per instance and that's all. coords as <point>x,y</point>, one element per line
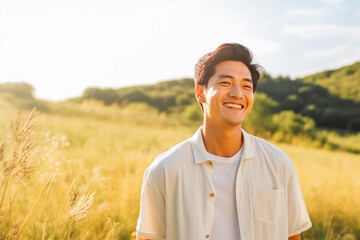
<point>224,142</point>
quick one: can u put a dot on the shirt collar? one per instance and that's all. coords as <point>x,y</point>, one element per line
<point>200,153</point>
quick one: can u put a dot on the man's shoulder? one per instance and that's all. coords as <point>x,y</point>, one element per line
<point>266,152</point>
<point>265,149</point>
<point>266,145</point>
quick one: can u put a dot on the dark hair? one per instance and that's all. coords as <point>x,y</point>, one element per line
<point>205,67</point>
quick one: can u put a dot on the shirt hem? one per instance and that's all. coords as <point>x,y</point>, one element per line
<point>149,236</point>
<point>300,230</point>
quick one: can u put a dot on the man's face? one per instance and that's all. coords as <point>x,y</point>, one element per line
<point>228,97</point>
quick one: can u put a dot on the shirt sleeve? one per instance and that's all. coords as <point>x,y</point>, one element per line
<point>298,217</point>
<point>151,222</point>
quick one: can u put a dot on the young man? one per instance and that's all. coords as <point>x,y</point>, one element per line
<point>223,183</point>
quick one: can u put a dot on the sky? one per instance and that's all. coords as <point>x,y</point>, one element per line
<point>63,47</point>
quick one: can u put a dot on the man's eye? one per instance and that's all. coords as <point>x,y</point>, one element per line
<point>248,87</point>
<point>224,83</point>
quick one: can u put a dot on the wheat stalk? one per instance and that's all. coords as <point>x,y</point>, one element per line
<point>80,210</point>
<point>2,151</point>
<point>61,210</point>
<point>21,163</point>
<point>24,134</point>
<point>41,212</point>
<point>2,155</point>
<point>85,235</point>
<point>110,229</point>
<point>46,187</point>
<point>82,207</point>
<point>3,213</point>
<point>73,196</point>
<point>13,231</point>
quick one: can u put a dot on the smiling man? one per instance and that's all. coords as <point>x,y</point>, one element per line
<point>223,183</point>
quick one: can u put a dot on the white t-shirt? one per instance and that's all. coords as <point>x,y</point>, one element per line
<point>226,222</point>
<point>178,196</point>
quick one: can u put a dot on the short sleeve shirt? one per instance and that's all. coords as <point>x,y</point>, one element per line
<point>178,196</point>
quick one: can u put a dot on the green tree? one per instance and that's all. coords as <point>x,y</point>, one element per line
<point>292,124</point>
<point>192,113</point>
<point>260,117</point>
<point>108,96</point>
<point>19,90</point>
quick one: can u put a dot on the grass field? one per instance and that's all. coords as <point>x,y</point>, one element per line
<point>93,149</point>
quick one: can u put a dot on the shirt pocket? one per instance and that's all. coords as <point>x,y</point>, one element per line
<point>268,205</point>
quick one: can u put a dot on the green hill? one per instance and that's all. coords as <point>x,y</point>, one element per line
<point>330,98</point>
<point>314,101</point>
<point>301,96</point>
<point>343,82</point>
<point>20,94</point>
<point>167,96</point>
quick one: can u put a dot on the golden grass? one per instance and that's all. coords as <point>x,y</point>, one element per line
<point>330,184</point>
<point>105,150</point>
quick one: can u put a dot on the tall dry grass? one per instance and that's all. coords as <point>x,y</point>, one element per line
<point>17,168</point>
<point>16,172</point>
<point>86,149</point>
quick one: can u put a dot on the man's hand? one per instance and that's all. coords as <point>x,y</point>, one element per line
<point>295,237</point>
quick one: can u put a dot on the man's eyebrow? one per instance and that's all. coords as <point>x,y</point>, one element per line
<point>225,76</point>
<point>232,77</point>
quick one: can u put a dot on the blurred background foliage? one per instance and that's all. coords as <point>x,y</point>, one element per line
<point>320,108</point>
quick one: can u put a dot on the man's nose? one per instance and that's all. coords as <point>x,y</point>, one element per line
<point>236,92</point>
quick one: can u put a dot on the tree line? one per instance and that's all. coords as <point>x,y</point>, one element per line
<point>309,97</point>
<point>330,99</point>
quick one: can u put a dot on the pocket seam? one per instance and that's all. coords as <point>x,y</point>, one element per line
<point>263,200</point>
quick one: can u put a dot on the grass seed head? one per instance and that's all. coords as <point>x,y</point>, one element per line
<point>23,129</point>
<point>15,230</point>
<point>2,214</point>
<point>2,151</point>
<point>82,207</point>
<point>110,229</point>
<point>73,196</point>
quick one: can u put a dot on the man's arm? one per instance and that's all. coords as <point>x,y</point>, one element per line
<point>295,237</point>
<point>151,222</point>
<point>298,216</point>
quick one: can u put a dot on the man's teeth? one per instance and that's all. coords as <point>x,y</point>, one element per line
<point>232,105</point>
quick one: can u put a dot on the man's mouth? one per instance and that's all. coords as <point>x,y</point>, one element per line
<point>233,105</point>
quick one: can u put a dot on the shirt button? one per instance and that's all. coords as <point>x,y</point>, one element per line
<point>212,194</point>
<point>209,163</point>
<point>207,236</point>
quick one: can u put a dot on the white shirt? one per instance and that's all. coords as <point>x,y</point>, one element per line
<point>178,196</point>
<point>226,222</point>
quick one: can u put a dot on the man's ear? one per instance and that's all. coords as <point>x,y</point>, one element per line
<point>199,92</point>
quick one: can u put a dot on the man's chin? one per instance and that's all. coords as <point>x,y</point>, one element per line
<point>234,123</point>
